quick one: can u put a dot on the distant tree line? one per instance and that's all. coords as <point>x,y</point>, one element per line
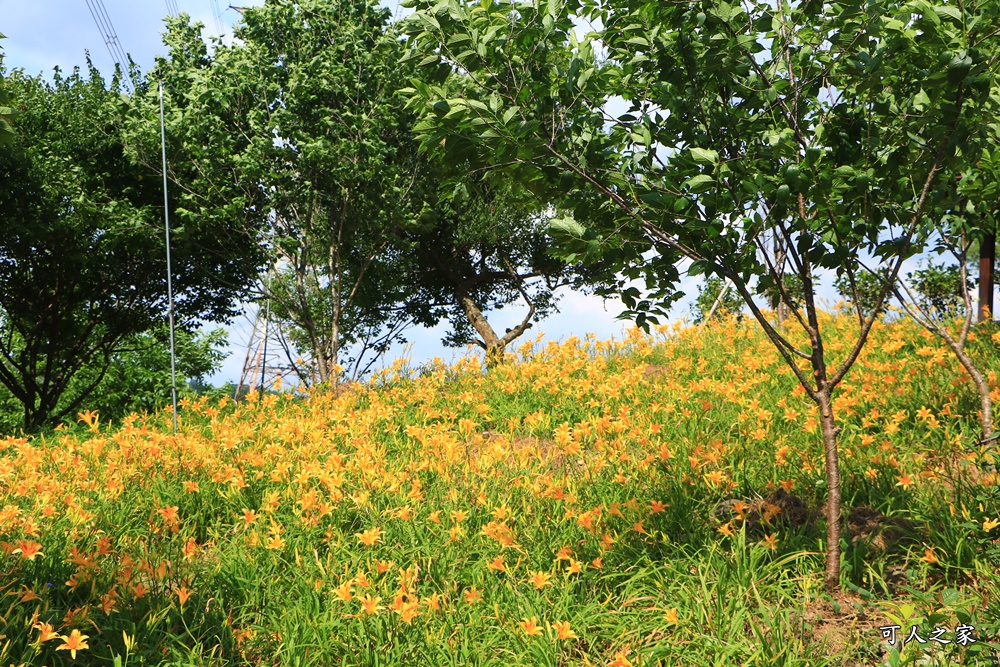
<point>295,180</point>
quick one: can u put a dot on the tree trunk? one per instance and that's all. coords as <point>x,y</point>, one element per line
<point>490,340</point>
<point>829,428</point>
<point>982,386</point>
<point>987,263</point>
<point>779,262</point>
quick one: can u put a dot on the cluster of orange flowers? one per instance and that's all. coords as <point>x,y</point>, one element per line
<point>527,477</point>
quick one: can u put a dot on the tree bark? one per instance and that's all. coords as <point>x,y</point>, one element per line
<point>831,577</point>
<point>982,387</point>
<point>779,262</point>
<point>490,340</point>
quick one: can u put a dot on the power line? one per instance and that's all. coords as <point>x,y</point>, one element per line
<point>172,7</point>
<point>218,16</point>
<point>107,30</point>
<point>111,37</point>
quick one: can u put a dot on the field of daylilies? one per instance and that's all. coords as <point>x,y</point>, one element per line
<point>653,501</point>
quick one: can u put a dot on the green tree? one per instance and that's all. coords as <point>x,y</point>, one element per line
<point>759,140</point>
<point>477,247</point>
<point>304,112</point>
<point>296,125</point>
<point>864,295</point>
<point>938,296</point>
<point>138,376</point>
<point>82,254</point>
<point>715,297</point>
<point>939,289</point>
<point>7,113</point>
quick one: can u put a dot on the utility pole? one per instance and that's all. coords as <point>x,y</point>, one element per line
<point>987,264</point>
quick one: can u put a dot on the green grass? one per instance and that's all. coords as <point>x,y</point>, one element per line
<point>579,461</point>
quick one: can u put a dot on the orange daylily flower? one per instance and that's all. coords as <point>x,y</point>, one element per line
<point>370,605</point>
<point>190,548</point>
<point>408,611</point>
<point>433,601</point>
<point>620,659</point>
<point>539,579</point>
<point>530,626</point>
<point>45,632</point>
<point>370,536</point>
<point>344,591</point>
<point>28,595</point>
<point>169,514</point>
<point>473,595</point>
<point>73,643</point>
<point>28,549</point>
<point>563,630</point>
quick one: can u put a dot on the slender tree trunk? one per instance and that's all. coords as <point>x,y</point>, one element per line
<point>718,301</point>
<point>982,386</point>
<point>492,343</point>
<point>779,262</point>
<point>831,576</point>
<point>957,345</point>
<point>334,348</point>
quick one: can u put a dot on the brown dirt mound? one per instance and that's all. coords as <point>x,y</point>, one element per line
<point>779,508</point>
<point>654,372</point>
<point>878,530</point>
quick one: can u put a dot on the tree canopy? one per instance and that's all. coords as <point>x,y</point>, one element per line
<point>82,253</point>
<point>757,140</point>
<point>300,125</point>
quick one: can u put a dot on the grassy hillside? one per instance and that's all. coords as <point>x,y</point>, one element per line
<point>649,502</point>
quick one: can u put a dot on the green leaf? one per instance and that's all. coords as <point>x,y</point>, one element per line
<point>700,183</point>
<point>568,226</point>
<point>705,156</point>
<point>945,11</point>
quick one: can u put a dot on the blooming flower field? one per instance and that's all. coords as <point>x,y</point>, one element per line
<point>651,501</point>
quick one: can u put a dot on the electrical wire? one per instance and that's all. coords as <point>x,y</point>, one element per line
<point>122,58</point>
<point>107,30</point>
<point>218,16</point>
<point>100,15</point>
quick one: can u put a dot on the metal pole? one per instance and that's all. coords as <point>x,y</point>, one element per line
<point>170,286</point>
<point>987,262</point>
